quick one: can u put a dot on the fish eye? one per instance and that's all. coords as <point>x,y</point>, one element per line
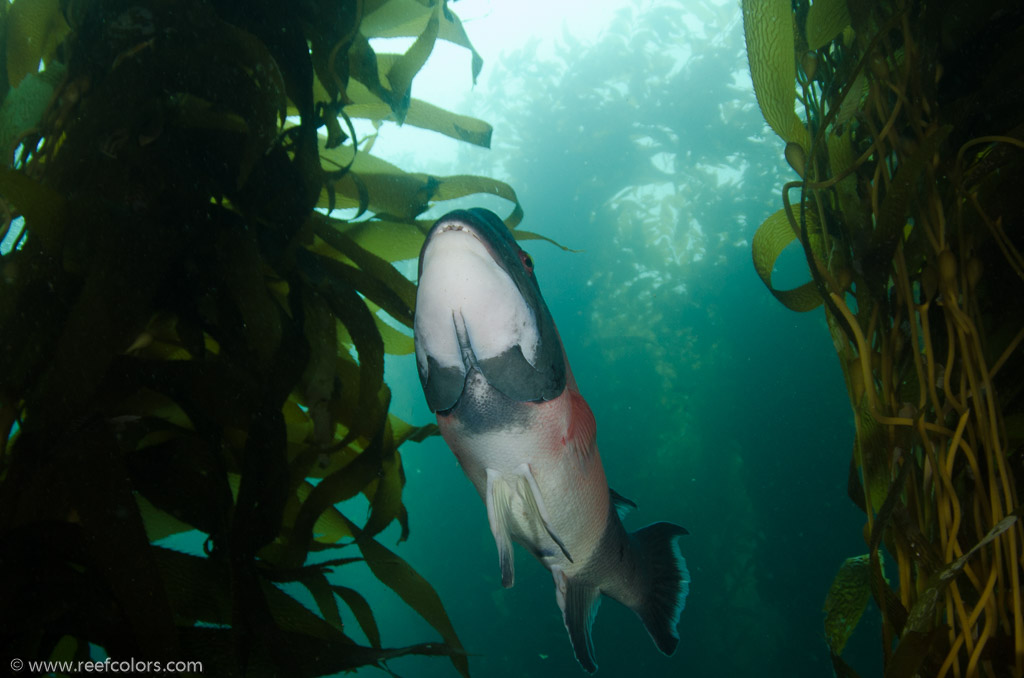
<point>527,261</point>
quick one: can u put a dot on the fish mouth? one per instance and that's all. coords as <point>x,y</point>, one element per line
<point>447,228</point>
<point>460,227</point>
<point>456,226</point>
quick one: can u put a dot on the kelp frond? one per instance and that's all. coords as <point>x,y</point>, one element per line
<point>910,153</point>
<point>190,345</point>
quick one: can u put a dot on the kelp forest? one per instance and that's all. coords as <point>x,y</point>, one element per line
<point>192,339</point>
<point>203,268</point>
<point>908,141</point>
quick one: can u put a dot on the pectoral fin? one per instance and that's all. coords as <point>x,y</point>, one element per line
<point>499,514</point>
<point>501,490</point>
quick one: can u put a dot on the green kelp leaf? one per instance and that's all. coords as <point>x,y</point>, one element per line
<point>25,104</point>
<point>126,269</point>
<point>396,19</point>
<point>349,308</point>
<point>892,213</point>
<point>43,208</point>
<point>364,68</point>
<point>454,32</point>
<point>240,268</point>
<point>854,488</point>
<point>34,29</point>
<point>193,112</point>
<point>922,615</point>
<point>90,480</point>
<point>912,651</point>
<point>840,153</point>
<point>420,114</point>
<point>841,668</point>
<point>408,18</point>
<point>400,195</point>
<point>317,383</point>
<point>69,649</point>
<point>8,432</point>
<point>357,420</point>
<point>390,240</point>
<point>336,487</point>
<point>825,20</point>
<point>387,189</point>
<point>361,611</point>
<point>383,284</point>
<point>404,431</point>
<point>404,69</point>
<point>328,530</point>
<point>461,185</point>
<point>291,615</point>
<point>770,239</point>
<point>264,488</point>
<point>316,583</point>
<point>373,289</point>
<point>529,235</point>
<point>337,457</point>
<point>385,494</point>
<point>159,524</point>
<point>417,593</point>
<point>197,587</point>
<point>330,527</point>
<point>768,26</point>
<point>5,85</point>
<point>852,104</point>
<point>395,342</point>
<point>846,600</point>
<point>871,451</point>
<point>329,37</point>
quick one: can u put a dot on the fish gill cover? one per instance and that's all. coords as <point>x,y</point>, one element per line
<point>188,343</point>
<point>910,152</point>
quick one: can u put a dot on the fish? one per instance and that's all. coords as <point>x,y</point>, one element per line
<point>495,373</point>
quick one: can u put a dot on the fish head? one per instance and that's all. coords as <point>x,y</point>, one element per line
<point>479,307</point>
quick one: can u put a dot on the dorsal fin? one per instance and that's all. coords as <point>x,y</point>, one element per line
<point>621,504</point>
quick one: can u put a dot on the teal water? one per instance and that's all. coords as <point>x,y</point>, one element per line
<point>717,408</point>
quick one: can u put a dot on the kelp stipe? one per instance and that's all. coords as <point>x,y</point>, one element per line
<point>187,344</point>
<point>910,157</point>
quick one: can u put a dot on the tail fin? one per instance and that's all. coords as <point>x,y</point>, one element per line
<point>668,582</point>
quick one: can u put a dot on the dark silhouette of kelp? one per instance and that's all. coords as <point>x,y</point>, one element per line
<point>910,159</point>
<point>188,345</point>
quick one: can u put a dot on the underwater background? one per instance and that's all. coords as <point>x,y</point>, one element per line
<point>641,146</point>
<point>210,212</point>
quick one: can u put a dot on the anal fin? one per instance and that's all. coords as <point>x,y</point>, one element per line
<point>579,602</point>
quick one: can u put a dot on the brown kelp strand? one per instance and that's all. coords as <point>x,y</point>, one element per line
<point>904,122</point>
<point>189,346</point>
